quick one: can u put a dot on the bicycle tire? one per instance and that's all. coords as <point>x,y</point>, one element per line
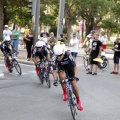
<point>48,81</point>
<point>72,105</point>
<point>105,62</point>
<point>85,62</point>
<point>17,66</point>
<point>41,77</point>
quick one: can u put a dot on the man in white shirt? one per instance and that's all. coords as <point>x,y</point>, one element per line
<point>6,32</point>
<point>74,42</point>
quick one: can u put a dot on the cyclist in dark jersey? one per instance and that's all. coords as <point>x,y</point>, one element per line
<point>7,48</point>
<point>65,62</point>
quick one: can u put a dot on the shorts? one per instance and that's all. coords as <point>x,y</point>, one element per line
<point>74,54</point>
<point>70,72</point>
<point>93,62</point>
<point>116,59</point>
<point>104,46</point>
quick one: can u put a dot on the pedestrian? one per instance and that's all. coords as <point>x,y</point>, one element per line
<point>6,32</point>
<point>104,42</point>
<point>116,56</point>
<point>74,44</point>
<point>29,43</point>
<point>95,53</point>
<point>45,32</point>
<point>26,32</point>
<point>15,39</point>
<point>51,41</point>
<point>44,38</point>
<point>61,39</point>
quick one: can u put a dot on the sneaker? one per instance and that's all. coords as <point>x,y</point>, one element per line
<point>79,106</point>
<point>65,97</point>
<point>94,74</point>
<point>1,75</point>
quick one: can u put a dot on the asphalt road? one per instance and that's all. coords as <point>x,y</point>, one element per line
<point>24,98</point>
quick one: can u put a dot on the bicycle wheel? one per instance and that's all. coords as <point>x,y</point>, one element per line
<point>105,62</point>
<point>72,105</point>
<point>48,80</point>
<point>85,61</point>
<point>17,66</point>
<point>41,77</point>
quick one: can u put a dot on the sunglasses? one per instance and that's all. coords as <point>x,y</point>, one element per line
<point>39,47</point>
<point>59,55</point>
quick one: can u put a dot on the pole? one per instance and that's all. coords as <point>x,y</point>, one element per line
<point>34,7</point>
<point>36,21</point>
<point>61,16</point>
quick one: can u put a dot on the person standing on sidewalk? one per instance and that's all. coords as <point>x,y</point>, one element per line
<point>74,44</point>
<point>15,39</point>
<point>29,43</point>
<point>116,56</point>
<point>6,32</point>
<point>95,53</point>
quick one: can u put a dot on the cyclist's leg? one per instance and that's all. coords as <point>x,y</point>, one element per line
<point>75,88</point>
<point>54,74</point>
<point>62,76</point>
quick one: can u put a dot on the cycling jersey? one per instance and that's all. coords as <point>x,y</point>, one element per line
<point>66,64</point>
<point>41,54</point>
<point>7,48</point>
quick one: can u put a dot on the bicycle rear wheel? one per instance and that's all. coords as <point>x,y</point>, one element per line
<point>105,62</point>
<point>72,105</point>
<point>17,66</point>
<point>85,62</point>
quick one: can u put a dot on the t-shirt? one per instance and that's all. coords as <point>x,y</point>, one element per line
<point>6,33</point>
<point>96,44</point>
<point>18,34</point>
<point>75,47</point>
<point>117,46</point>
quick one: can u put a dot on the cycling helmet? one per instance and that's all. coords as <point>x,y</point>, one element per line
<point>39,44</point>
<point>59,49</point>
<point>7,38</point>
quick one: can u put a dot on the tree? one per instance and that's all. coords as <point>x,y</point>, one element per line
<point>1,19</point>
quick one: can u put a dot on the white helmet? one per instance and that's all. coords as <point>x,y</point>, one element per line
<point>39,44</point>
<point>59,49</point>
<point>7,38</point>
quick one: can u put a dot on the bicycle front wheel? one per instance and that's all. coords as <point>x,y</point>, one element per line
<point>17,66</point>
<point>72,105</point>
<point>48,81</point>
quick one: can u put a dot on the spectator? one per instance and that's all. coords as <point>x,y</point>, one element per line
<point>74,44</point>
<point>104,42</point>
<point>95,53</point>
<point>26,32</point>
<point>15,39</point>
<point>61,39</point>
<point>52,41</point>
<point>44,38</point>
<point>116,56</point>
<point>45,32</point>
<point>6,32</point>
<point>29,43</point>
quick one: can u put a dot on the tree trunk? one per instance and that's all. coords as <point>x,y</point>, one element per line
<point>1,19</point>
<point>108,34</point>
<point>69,30</point>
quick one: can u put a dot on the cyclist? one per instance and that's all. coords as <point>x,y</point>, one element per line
<point>65,62</point>
<point>6,48</point>
<point>39,53</point>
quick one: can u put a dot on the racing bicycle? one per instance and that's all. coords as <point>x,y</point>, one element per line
<point>43,73</point>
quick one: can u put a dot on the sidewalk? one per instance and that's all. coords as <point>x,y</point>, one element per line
<point>22,57</point>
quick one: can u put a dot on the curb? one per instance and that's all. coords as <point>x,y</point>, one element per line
<point>21,61</point>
